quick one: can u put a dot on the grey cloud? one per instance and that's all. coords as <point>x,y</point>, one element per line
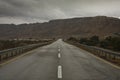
<point>44,10</point>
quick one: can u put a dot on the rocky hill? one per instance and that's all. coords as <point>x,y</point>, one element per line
<point>85,26</point>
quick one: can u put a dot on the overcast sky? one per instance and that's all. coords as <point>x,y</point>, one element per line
<point>30,11</point>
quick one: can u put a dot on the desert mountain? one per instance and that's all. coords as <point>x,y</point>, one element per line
<point>85,26</point>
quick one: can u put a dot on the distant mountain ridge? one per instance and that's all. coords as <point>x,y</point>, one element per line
<point>85,26</point>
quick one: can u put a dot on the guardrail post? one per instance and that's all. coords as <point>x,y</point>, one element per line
<point>0,57</point>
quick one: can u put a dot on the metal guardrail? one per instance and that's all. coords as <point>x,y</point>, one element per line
<point>9,53</point>
<point>109,55</point>
<point>103,53</point>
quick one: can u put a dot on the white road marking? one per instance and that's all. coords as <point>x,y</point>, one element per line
<point>59,55</point>
<point>59,49</point>
<point>59,72</point>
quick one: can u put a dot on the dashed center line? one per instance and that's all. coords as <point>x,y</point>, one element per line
<point>59,55</point>
<point>59,50</point>
<point>59,72</point>
<point>59,66</point>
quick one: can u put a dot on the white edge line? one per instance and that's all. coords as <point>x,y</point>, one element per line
<point>97,57</point>
<point>101,59</point>
<point>16,57</point>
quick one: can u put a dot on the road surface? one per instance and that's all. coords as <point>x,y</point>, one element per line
<point>58,61</point>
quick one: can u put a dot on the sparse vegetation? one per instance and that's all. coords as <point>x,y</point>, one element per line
<point>6,44</point>
<point>112,43</point>
<point>92,41</point>
<point>72,39</point>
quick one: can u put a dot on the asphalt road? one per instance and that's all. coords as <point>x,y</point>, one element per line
<point>58,61</point>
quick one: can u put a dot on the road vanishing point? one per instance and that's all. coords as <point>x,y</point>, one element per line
<point>58,61</point>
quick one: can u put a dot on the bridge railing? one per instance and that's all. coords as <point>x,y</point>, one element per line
<point>103,53</point>
<point>107,54</point>
<point>9,53</point>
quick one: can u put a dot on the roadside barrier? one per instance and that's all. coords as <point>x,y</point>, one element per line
<point>9,53</point>
<point>103,53</point>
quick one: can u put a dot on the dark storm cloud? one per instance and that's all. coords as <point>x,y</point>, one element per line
<point>19,11</point>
